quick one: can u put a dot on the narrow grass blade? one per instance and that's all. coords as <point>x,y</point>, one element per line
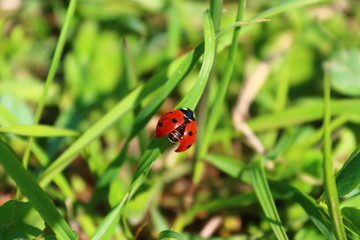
<point>350,209</point>
<point>37,131</point>
<point>330,183</point>
<point>168,234</point>
<point>50,77</point>
<point>214,115</point>
<point>157,146</point>
<point>38,198</point>
<point>262,190</point>
<point>295,115</point>
<point>106,228</point>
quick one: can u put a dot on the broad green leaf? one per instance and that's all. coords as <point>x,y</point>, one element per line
<point>348,178</point>
<point>262,190</point>
<point>37,131</point>
<point>345,72</point>
<point>37,197</point>
<point>350,209</point>
<point>19,220</point>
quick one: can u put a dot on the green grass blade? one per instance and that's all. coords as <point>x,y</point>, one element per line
<point>262,190</point>
<point>295,115</point>
<point>51,74</point>
<point>156,146</point>
<point>348,178</point>
<point>330,183</point>
<point>214,115</point>
<point>168,234</point>
<point>193,97</point>
<point>37,131</point>
<point>106,228</point>
<point>38,198</point>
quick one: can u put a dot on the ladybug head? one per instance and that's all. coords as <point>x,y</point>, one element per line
<point>189,114</point>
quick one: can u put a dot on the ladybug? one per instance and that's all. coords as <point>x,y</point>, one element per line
<point>180,126</point>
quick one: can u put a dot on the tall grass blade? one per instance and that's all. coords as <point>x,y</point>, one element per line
<point>214,115</point>
<point>262,190</point>
<point>51,74</point>
<point>330,183</point>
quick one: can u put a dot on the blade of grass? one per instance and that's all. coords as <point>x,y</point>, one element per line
<point>37,197</point>
<point>214,115</point>
<point>295,115</point>
<point>330,183</point>
<point>202,112</point>
<point>37,131</point>
<point>262,190</point>
<point>51,74</point>
<point>156,146</point>
<point>281,190</point>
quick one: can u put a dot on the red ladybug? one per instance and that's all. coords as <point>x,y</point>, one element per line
<point>180,126</point>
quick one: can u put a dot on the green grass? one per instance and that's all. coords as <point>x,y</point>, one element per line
<point>83,83</point>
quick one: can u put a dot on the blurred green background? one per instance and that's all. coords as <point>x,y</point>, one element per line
<point>113,46</point>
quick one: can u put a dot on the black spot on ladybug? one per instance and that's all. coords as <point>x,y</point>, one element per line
<point>190,133</point>
<point>188,146</point>
<point>160,124</point>
<point>171,112</point>
<point>174,120</point>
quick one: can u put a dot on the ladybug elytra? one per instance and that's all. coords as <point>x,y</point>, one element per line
<point>180,126</point>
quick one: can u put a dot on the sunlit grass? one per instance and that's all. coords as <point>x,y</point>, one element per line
<point>82,86</point>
